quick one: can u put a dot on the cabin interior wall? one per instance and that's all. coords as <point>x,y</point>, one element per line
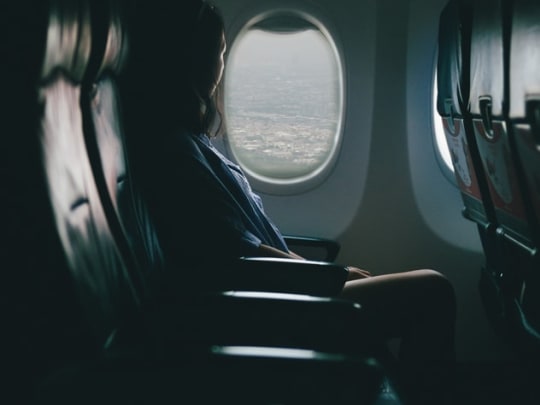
<point>388,231</point>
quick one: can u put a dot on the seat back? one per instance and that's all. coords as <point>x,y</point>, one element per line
<point>107,292</point>
<point>452,91</point>
<point>515,283</point>
<point>181,322</point>
<point>64,116</point>
<point>125,209</point>
<point>524,106</point>
<point>487,102</point>
<point>43,322</point>
<point>453,85</point>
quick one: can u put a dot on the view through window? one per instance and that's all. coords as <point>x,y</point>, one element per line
<point>283,102</point>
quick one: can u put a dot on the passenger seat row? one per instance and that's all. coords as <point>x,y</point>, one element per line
<point>489,102</point>
<point>83,265</point>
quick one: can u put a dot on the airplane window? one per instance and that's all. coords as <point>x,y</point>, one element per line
<point>283,100</point>
<point>440,137</point>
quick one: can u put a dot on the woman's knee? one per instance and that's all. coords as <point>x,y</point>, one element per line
<point>438,282</point>
<point>438,290</point>
<point>424,290</point>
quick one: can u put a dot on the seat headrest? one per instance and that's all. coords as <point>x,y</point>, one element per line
<point>524,57</point>
<point>68,40</point>
<point>109,37</point>
<point>453,59</point>
<point>487,57</point>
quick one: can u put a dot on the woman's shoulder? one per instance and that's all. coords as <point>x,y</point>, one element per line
<point>186,139</point>
<point>199,150</point>
<point>188,146</point>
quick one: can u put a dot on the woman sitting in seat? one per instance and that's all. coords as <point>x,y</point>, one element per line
<point>205,211</point>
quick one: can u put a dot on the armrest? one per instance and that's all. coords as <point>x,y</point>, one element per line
<point>288,276</point>
<point>291,320</point>
<point>264,319</point>
<point>293,376</point>
<point>311,247</point>
<point>241,374</point>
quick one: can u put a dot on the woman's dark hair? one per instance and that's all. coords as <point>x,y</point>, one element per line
<point>173,52</point>
<point>207,47</point>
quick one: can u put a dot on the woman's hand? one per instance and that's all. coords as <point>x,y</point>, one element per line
<point>356,274</point>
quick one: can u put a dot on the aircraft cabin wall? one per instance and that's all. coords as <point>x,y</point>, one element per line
<point>382,190</point>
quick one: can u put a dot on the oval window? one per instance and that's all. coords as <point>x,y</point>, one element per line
<point>283,99</point>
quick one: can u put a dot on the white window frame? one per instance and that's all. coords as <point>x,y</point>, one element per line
<point>300,184</point>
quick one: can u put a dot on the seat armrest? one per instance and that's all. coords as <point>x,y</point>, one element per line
<point>288,276</point>
<point>263,319</point>
<point>313,248</point>
<point>278,319</point>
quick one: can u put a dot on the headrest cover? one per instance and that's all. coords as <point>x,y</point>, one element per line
<point>449,62</point>
<point>487,56</point>
<point>68,40</point>
<point>116,45</point>
<point>453,59</point>
<point>110,40</point>
<point>525,56</point>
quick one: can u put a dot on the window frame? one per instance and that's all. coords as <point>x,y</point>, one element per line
<point>300,184</point>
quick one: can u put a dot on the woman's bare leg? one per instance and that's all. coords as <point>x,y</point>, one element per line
<point>419,307</point>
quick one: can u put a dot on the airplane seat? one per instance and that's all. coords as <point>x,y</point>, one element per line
<point>105,138</point>
<point>106,290</point>
<point>71,107</point>
<point>454,79</point>
<point>452,97</point>
<point>80,225</point>
<point>149,170</point>
<point>123,206</point>
<point>488,106</point>
<point>313,323</point>
<point>524,104</point>
<point>488,100</point>
<point>109,150</point>
<point>42,326</point>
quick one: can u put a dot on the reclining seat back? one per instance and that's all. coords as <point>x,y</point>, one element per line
<point>182,315</point>
<point>81,233</point>
<point>524,109</point>
<point>125,209</point>
<point>488,99</point>
<point>181,320</point>
<point>43,322</point>
<point>452,98</point>
<point>106,291</point>
<point>453,82</point>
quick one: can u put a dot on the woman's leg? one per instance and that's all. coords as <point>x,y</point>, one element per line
<point>418,307</point>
